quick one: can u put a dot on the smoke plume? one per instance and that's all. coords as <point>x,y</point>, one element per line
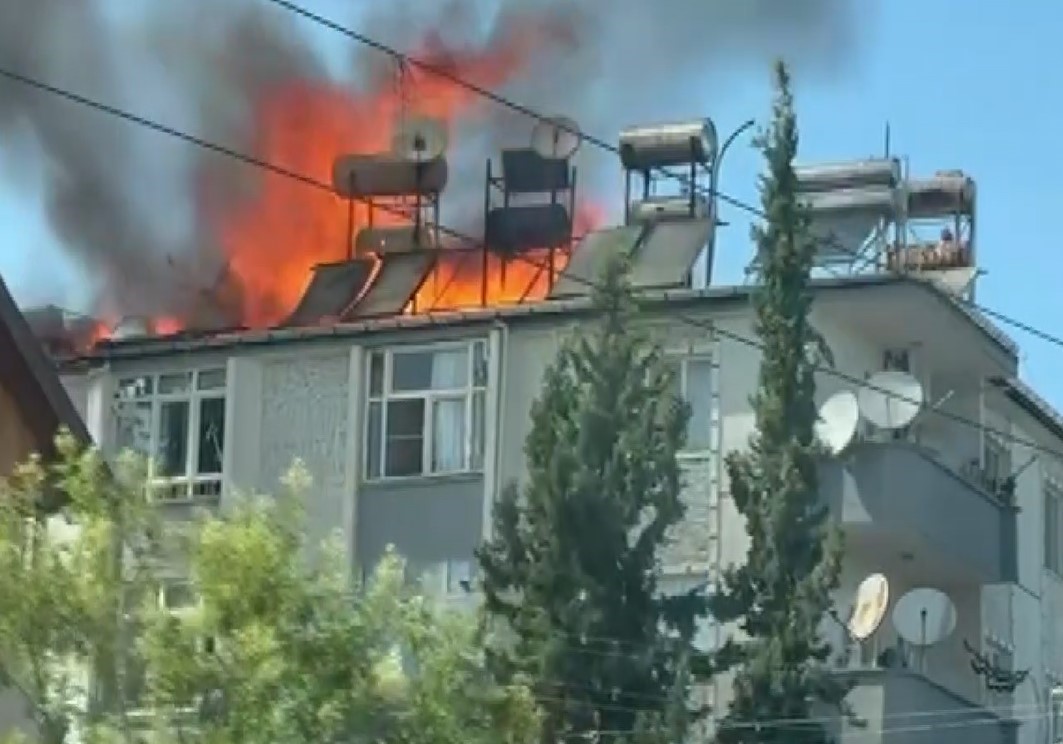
<point>135,209</point>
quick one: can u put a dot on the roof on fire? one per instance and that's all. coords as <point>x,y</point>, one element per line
<point>671,298</point>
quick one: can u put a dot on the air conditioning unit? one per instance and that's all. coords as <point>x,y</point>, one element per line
<point>662,209</point>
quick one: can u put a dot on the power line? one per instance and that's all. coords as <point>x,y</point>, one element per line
<point>302,178</point>
<point>456,79</point>
<point>707,326</point>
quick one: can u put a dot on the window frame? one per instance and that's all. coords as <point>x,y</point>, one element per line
<point>181,614</point>
<point>680,361</point>
<point>190,481</point>
<point>472,461</point>
<point>1052,511</point>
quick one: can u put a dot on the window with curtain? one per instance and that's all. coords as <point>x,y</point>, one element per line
<point>694,384</point>
<point>177,421</point>
<point>425,410</point>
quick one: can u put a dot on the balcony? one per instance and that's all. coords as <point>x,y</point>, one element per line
<point>904,707</point>
<point>894,499</point>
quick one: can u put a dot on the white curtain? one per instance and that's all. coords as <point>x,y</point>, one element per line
<point>450,371</point>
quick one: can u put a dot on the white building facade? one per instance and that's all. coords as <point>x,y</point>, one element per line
<point>411,426</point>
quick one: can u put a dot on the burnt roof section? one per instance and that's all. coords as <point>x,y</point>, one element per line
<point>399,277</point>
<point>333,289</point>
<point>33,380</point>
<point>673,300</point>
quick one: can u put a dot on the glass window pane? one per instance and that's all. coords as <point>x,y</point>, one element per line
<point>211,435</point>
<point>404,443</point>
<point>210,379</point>
<point>171,456</point>
<point>135,387</point>
<point>374,437</point>
<point>376,374</point>
<point>133,423</point>
<point>411,371</point>
<point>460,575</point>
<point>175,383</point>
<point>479,364</point>
<point>450,369</point>
<point>477,444</point>
<point>698,391</point>
<point>448,435</point>
<point>177,595</point>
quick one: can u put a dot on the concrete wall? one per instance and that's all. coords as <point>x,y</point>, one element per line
<point>307,401</point>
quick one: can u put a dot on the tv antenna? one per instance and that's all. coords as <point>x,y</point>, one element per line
<point>872,600</point>
<point>838,418</point>
<point>924,617</point>
<point>890,399</point>
<point>556,138</point>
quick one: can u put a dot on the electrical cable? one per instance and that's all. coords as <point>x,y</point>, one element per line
<point>479,90</point>
<point>247,159</point>
<point>707,326</point>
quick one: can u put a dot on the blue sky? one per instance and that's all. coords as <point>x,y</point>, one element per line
<point>963,85</point>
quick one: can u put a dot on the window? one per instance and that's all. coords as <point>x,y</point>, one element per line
<point>425,411</point>
<point>177,596</point>
<point>694,384</point>
<point>1053,522</point>
<point>996,458</point>
<point>177,421</point>
<point>1055,720</point>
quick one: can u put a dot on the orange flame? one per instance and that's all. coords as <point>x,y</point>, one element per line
<point>463,280</point>
<point>274,239</point>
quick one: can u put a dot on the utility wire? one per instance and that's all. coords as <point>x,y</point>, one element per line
<point>456,79</point>
<point>310,181</point>
<point>302,178</point>
<point>707,326</point>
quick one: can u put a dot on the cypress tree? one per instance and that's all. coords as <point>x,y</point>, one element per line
<point>571,572</point>
<point>781,594</point>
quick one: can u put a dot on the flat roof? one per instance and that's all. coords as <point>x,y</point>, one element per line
<point>152,346</point>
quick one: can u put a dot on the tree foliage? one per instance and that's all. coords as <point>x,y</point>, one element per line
<point>279,647</point>
<point>571,571</point>
<point>782,593</point>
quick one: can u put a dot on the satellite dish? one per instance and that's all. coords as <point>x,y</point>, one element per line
<point>872,599</point>
<point>890,399</point>
<point>557,138</point>
<point>924,616</point>
<point>419,138</point>
<point>838,418</point>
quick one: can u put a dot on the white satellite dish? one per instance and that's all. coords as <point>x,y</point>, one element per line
<point>557,138</point>
<point>924,616</point>
<point>838,418</point>
<point>890,399</point>
<point>872,600</point>
<point>419,138</point>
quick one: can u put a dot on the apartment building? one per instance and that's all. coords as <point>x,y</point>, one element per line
<point>411,421</point>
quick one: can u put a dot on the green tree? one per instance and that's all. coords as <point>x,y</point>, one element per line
<point>282,649</point>
<point>570,576</point>
<point>64,529</point>
<point>781,594</point>
<point>276,646</point>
